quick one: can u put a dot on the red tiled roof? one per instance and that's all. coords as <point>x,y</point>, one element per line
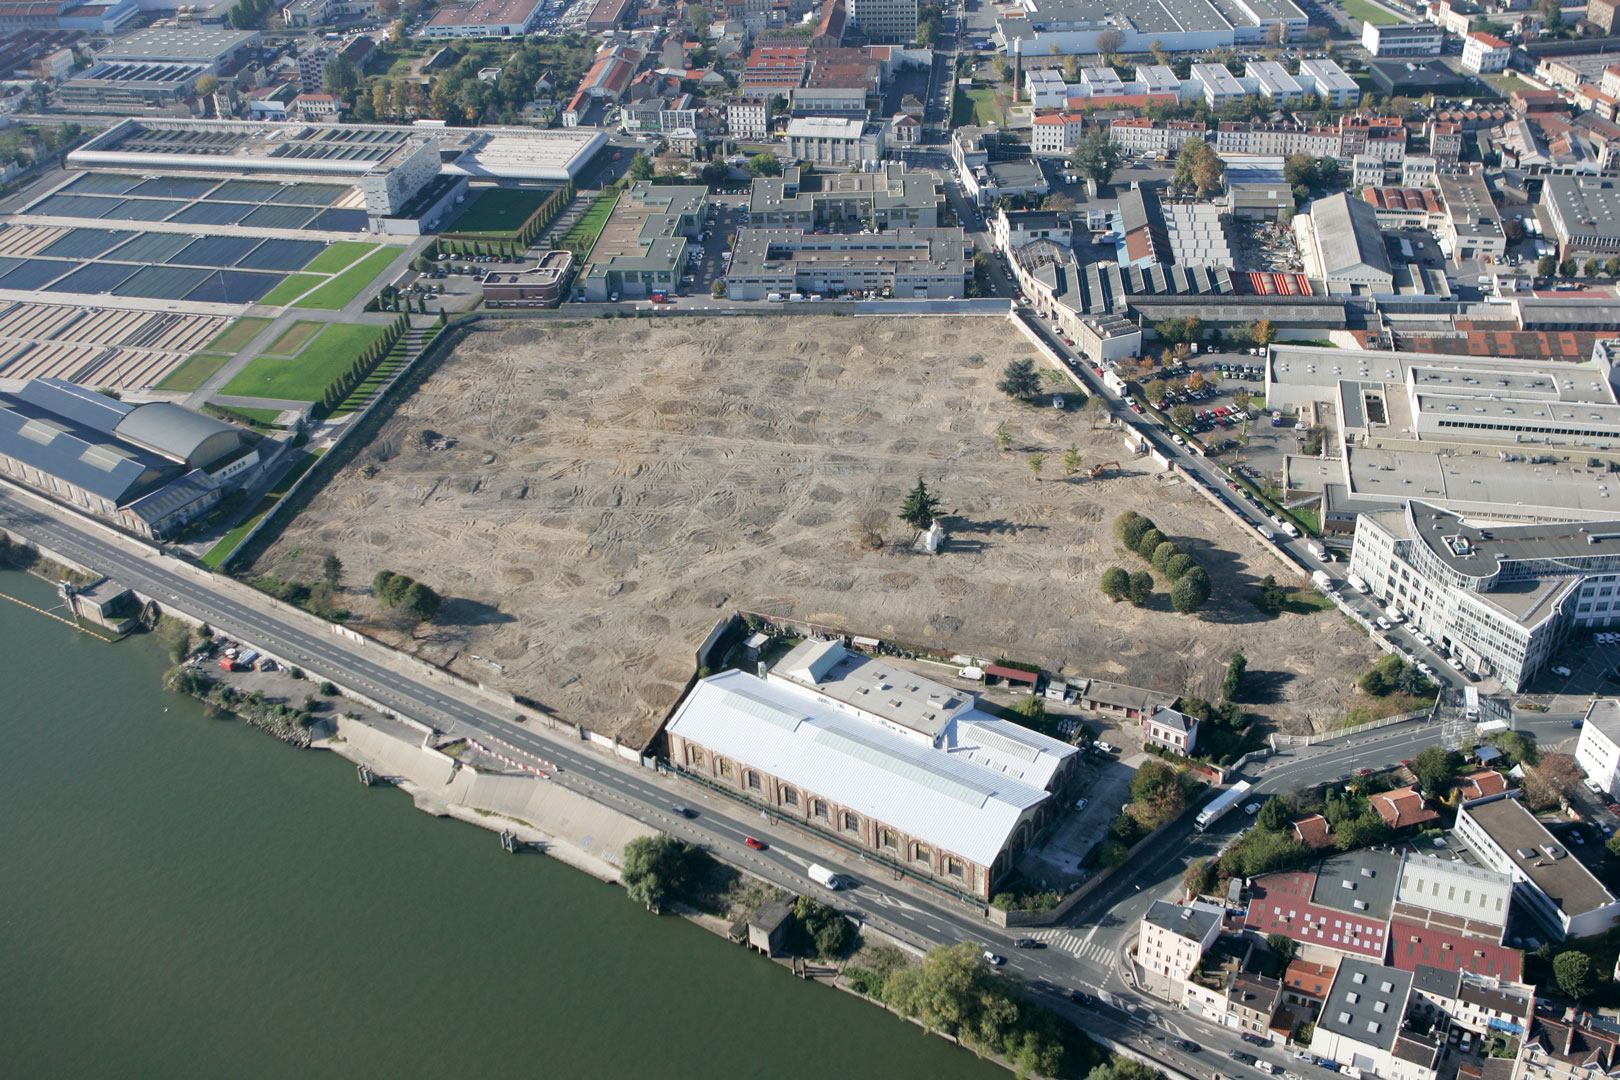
<point>1403,808</point>
<point>1489,41</point>
<point>1477,785</point>
<point>1312,831</point>
<point>1311,980</point>
<point>1010,674</point>
<point>1411,945</point>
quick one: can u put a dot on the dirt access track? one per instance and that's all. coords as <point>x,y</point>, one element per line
<point>615,486</point>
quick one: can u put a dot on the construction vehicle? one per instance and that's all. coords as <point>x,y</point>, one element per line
<point>1097,470</point>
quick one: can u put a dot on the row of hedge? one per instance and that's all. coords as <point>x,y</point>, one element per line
<point>527,233</point>
<point>339,388</point>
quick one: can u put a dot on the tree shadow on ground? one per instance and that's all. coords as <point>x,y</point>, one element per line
<point>459,611</point>
<point>1232,584</point>
<point>1264,687</point>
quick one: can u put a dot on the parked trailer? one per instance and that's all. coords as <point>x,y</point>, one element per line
<point>1233,795</point>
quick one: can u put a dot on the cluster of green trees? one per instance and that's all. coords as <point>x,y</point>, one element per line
<point>1236,668</point>
<point>1308,175</point>
<point>389,298</point>
<point>248,14</point>
<point>1273,597</point>
<point>1549,266</point>
<point>339,388</point>
<point>1223,728</point>
<point>318,598</point>
<point>23,143</point>
<point>954,991</point>
<point>406,595</point>
<point>458,96</point>
<point>1177,331</point>
<point>658,869</point>
<point>819,930</point>
<point>1159,794</point>
<point>1391,675</point>
<point>1190,585</point>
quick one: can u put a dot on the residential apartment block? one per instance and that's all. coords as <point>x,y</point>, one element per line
<point>1139,135</point>
<point>1557,890</point>
<point>1175,937</point>
<point>1277,140</point>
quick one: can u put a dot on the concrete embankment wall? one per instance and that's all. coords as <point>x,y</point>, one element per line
<point>575,830</point>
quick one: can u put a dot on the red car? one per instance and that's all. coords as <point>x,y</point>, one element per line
<point>757,845</point>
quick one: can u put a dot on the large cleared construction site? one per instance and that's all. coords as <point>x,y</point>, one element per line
<point>591,497</point>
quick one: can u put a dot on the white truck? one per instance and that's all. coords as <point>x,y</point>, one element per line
<point>1114,382</point>
<point>824,877</point>
<point>1357,582</point>
<point>1320,579</point>
<point>1228,799</point>
<point>1265,533</point>
<point>1317,549</point>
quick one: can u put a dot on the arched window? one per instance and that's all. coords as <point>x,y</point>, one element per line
<point>953,866</point>
<point>790,796</point>
<point>695,755</point>
<point>851,822</point>
<point>923,854</point>
<point>888,838</point>
<point>819,809</point>
<point>725,768</point>
<point>752,780</point>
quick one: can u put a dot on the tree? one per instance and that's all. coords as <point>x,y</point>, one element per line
<point>1273,815</point>
<point>658,868</point>
<point>1548,781</point>
<point>420,601</point>
<point>1071,460</point>
<point>332,570</point>
<point>717,288</point>
<point>1518,746</point>
<point>1163,554</point>
<point>766,164</point>
<point>1612,846</point>
<point>1242,399</point>
<point>920,508</point>
<point>822,930</point>
<point>1199,169</point>
<point>1199,877</point>
<point>1546,266</point>
<point>1361,831</point>
<point>1263,332</point>
<point>1003,436</point>
<point>1182,415</point>
<point>388,9</point>
<point>1036,463</point>
<point>1191,591</point>
<point>1285,947</point>
<point>1097,156</point>
<point>1566,268</point>
<point>1273,598</point>
<point>1003,70</point>
<point>1573,973</point>
<point>1116,583</point>
<point>339,76</point>
<point>1235,669</point>
<point>1149,542</point>
<point>1019,380</point>
<point>1178,566</point>
<point>1141,587</point>
<point>1153,390</point>
<point>1436,769</point>
<point>1611,266</point>
<point>1109,42</point>
<point>641,167</point>
<point>207,85</point>
<point>1130,526</point>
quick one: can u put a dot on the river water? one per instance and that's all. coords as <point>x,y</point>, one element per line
<point>187,897</point>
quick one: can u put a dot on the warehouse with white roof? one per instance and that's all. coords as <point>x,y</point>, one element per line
<point>878,759</point>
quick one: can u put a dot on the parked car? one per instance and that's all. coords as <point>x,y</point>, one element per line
<point>1080,804</point>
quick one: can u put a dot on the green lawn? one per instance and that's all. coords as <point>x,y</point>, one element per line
<point>191,374</point>
<point>291,288</point>
<point>236,335</point>
<point>294,339</point>
<point>305,376</point>
<point>349,284</point>
<point>228,543</point>
<point>985,109</point>
<point>500,211</point>
<point>1506,83</point>
<point>266,417</point>
<point>583,233</point>
<point>338,257</point>
<point>1366,12</point>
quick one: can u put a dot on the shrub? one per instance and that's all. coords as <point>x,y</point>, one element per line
<point>1178,565</point>
<point>1163,554</point>
<point>1141,587</point>
<point>1116,583</point>
<point>1149,543</point>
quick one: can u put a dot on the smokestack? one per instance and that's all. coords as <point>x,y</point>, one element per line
<point>1018,69</point>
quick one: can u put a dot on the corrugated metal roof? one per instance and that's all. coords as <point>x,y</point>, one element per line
<point>940,797</point>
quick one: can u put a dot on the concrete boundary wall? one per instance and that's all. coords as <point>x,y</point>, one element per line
<point>1284,741</point>
<point>1242,523</point>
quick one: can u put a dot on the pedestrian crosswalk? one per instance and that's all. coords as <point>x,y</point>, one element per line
<point>1075,945</point>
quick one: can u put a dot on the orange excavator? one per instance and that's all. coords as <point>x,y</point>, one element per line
<point>1097,470</point>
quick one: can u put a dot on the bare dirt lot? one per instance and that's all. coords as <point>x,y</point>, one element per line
<point>614,487</point>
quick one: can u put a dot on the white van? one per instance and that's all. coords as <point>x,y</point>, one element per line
<point>775,297</point>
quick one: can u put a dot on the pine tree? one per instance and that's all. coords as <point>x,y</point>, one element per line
<point>920,507</point>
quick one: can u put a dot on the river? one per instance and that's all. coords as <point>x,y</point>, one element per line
<point>187,897</point>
